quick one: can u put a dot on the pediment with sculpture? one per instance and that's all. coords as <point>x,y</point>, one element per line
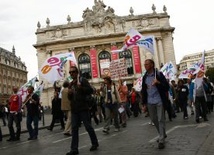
<point>99,17</point>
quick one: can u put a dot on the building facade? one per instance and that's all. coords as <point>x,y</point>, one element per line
<point>190,59</point>
<point>100,32</point>
<point>13,73</point>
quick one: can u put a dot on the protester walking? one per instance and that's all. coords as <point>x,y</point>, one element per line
<point>15,115</point>
<point>99,103</point>
<point>200,100</point>
<point>66,108</point>
<point>123,91</point>
<point>78,91</point>
<point>32,104</point>
<point>56,112</point>
<point>134,98</point>
<point>154,93</point>
<point>111,100</point>
<point>190,86</point>
<point>182,97</point>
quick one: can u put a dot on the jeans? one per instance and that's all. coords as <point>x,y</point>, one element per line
<point>33,132</point>
<point>17,119</point>
<point>76,119</point>
<point>109,111</point>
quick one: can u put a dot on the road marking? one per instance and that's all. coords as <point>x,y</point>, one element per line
<point>176,127</point>
<point>84,133</point>
<point>100,140</point>
<point>15,145</point>
<point>144,124</point>
<point>60,140</point>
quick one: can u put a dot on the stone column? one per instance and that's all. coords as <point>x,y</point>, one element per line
<point>160,51</point>
<point>156,55</point>
<point>142,57</point>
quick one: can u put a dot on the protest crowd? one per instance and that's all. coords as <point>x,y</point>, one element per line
<point>158,94</point>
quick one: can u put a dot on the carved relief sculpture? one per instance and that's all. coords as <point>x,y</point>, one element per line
<point>99,19</point>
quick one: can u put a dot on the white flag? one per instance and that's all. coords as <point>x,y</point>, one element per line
<point>168,70</point>
<point>133,37</point>
<point>52,68</point>
<point>23,90</point>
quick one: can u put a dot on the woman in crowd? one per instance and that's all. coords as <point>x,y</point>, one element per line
<point>57,113</point>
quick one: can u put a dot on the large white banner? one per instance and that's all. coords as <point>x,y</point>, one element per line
<point>52,68</point>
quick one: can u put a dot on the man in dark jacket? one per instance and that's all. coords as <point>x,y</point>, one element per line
<point>154,94</point>
<point>32,104</point>
<point>78,91</point>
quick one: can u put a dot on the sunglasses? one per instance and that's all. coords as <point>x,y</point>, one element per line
<point>71,72</point>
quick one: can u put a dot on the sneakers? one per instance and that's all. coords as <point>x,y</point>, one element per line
<point>151,123</point>
<point>161,145</point>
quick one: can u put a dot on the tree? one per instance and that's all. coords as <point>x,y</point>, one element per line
<point>210,74</point>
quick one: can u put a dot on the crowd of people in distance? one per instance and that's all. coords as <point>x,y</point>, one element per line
<point>113,103</point>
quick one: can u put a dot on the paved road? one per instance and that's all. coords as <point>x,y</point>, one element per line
<point>184,137</point>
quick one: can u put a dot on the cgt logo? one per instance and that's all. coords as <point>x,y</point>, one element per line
<point>131,40</point>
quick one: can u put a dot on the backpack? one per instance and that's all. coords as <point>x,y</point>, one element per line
<point>209,90</point>
<point>90,99</point>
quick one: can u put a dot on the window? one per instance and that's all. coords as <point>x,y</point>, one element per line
<point>104,61</point>
<point>85,65</point>
<point>128,56</point>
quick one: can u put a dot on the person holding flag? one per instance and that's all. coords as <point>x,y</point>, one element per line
<point>154,94</point>
<point>78,92</point>
<point>32,104</point>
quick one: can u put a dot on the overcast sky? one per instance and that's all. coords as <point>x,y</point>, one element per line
<point>18,22</point>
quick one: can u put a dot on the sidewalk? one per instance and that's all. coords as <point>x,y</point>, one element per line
<point>43,123</point>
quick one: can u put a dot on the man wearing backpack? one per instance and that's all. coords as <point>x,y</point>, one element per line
<point>154,94</point>
<point>78,91</point>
